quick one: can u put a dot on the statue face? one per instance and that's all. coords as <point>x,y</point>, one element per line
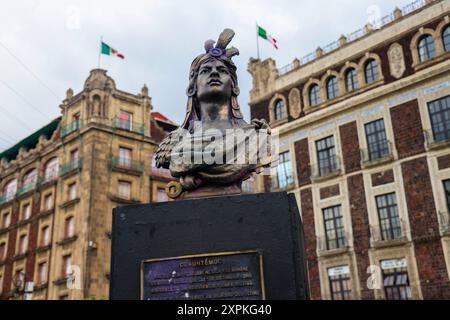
<point>214,82</point>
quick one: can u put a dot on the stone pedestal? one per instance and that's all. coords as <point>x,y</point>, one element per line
<point>231,247</point>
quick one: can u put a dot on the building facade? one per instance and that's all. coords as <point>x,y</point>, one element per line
<point>60,185</point>
<point>364,128</point>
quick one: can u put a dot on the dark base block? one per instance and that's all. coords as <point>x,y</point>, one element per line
<point>265,226</point>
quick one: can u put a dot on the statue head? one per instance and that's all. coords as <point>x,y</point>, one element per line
<point>213,76</point>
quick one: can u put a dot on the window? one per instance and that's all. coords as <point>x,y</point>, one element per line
<point>340,283</point>
<point>2,251</point>
<point>377,143</point>
<point>125,190</point>
<point>125,157</point>
<point>334,228</point>
<point>426,47</point>
<point>6,220</point>
<point>371,71</point>
<point>284,171</point>
<point>30,178</point>
<point>390,225</point>
<point>396,280</point>
<point>446,38</point>
<point>51,169</point>
<point>72,191</point>
<point>279,110</point>
<point>351,80</point>
<point>48,202</point>
<point>162,195</point>
<point>23,244</point>
<point>76,120</point>
<point>69,231</point>
<point>248,186</point>
<point>326,156</point>
<point>45,236</point>
<point>66,267</point>
<point>332,88</point>
<point>42,273</point>
<point>26,211</point>
<point>440,119</point>
<point>74,158</point>
<point>19,278</point>
<point>125,120</point>
<point>10,189</point>
<point>314,95</point>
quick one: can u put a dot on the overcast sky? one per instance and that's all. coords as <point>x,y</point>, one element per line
<point>57,45</point>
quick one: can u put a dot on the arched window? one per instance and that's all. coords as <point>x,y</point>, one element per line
<point>446,38</point>
<point>51,169</point>
<point>279,110</point>
<point>426,47</point>
<point>30,178</point>
<point>371,71</point>
<point>351,80</point>
<point>314,95</point>
<point>332,88</point>
<point>10,189</point>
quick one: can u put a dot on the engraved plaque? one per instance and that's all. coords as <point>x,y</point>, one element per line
<point>294,103</point>
<point>221,276</point>
<point>396,60</point>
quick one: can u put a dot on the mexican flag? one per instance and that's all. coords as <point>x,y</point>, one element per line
<point>263,34</point>
<point>107,50</point>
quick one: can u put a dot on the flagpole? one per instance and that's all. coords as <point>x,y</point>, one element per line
<point>257,39</point>
<point>100,51</point>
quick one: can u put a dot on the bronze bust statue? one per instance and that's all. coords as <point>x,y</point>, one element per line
<point>213,115</point>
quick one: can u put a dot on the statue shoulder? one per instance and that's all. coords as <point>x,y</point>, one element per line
<point>165,148</point>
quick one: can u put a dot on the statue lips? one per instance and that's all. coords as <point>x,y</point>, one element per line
<point>215,82</point>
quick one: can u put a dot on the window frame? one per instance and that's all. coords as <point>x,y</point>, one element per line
<point>314,95</point>
<point>352,80</point>
<point>394,274</point>
<point>336,221</point>
<point>330,159</point>
<point>340,280</point>
<point>279,110</point>
<point>442,110</point>
<point>379,147</point>
<point>285,174</point>
<point>426,49</point>
<point>390,226</point>
<point>446,38</point>
<point>371,71</point>
<point>332,88</point>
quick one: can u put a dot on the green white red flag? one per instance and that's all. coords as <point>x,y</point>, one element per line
<point>107,50</point>
<point>263,34</point>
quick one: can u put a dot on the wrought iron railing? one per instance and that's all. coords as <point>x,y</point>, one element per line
<point>127,164</point>
<point>324,244</point>
<point>377,151</point>
<point>351,37</point>
<point>51,176</point>
<point>444,221</point>
<point>70,166</point>
<point>71,127</point>
<point>126,125</point>
<point>326,167</point>
<point>26,188</point>
<point>388,233</point>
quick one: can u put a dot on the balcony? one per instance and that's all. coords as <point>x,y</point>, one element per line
<point>436,141</point>
<point>51,177</point>
<point>377,153</point>
<point>6,198</point>
<point>444,222</point>
<point>329,247</point>
<point>71,167</point>
<point>388,236</point>
<point>25,189</point>
<point>122,124</point>
<point>285,183</point>
<point>126,165</point>
<point>326,169</point>
<point>71,127</point>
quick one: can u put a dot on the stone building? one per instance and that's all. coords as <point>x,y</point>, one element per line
<point>59,186</point>
<point>364,127</point>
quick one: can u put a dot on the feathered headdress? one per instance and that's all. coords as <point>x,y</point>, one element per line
<point>218,51</point>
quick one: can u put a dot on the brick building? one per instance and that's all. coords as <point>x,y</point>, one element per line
<point>60,184</point>
<point>364,127</point>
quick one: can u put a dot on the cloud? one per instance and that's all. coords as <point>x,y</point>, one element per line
<point>58,41</point>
